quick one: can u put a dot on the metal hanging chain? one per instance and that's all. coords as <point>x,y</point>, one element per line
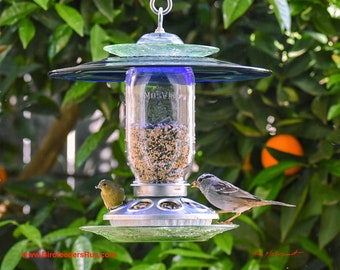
<point>160,13</point>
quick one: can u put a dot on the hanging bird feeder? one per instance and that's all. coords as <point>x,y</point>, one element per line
<point>160,73</point>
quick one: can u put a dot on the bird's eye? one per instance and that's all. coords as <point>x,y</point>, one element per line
<point>104,185</point>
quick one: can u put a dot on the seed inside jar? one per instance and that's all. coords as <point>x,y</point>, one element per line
<point>159,153</point>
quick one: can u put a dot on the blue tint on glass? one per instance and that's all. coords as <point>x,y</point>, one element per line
<point>161,75</point>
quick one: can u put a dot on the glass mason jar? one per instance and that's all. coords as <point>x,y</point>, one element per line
<point>160,135</point>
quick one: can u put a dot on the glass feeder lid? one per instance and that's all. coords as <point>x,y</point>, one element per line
<point>113,69</point>
<point>160,49</point>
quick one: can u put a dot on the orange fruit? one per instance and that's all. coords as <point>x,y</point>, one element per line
<point>3,175</point>
<point>285,143</point>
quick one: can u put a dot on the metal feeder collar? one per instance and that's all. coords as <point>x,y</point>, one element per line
<point>161,212</point>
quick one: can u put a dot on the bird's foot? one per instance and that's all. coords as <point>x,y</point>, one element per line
<point>117,206</point>
<point>227,222</point>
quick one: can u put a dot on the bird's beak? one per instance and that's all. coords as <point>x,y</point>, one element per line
<point>194,184</point>
<point>97,187</point>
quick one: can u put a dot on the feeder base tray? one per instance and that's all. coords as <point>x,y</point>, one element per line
<point>159,234</point>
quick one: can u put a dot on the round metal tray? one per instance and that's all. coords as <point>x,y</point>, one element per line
<point>159,234</point>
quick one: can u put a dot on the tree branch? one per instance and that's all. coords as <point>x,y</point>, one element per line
<point>52,144</point>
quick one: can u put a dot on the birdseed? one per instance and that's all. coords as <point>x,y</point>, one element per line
<point>140,205</point>
<point>169,205</point>
<point>159,153</point>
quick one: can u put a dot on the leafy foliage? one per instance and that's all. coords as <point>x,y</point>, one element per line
<point>297,40</point>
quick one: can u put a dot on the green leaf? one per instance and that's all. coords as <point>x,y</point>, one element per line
<point>289,122</point>
<point>154,266</point>
<point>317,195</point>
<point>185,263</point>
<point>60,38</point>
<point>30,232</point>
<point>246,130</point>
<point>268,192</point>
<point>271,173</point>
<point>298,66</point>
<point>98,39</point>
<point>221,158</point>
<point>311,247</point>
<point>5,222</point>
<point>279,262</point>
<point>334,90</point>
<point>297,195</point>
<point>264,42</point>
<point>26,32</point>
<point>225,242</point>
<point>60,234</point>
<point>309,85</point>
<point>323,22</point>
<point>16,12</point>
<point>282,13</point>
<point>106,8</point>
<point>329,228</point>
<point>82,245</point>
<point>333,79</point>
<point>42,105</point>
<point>103,245</point>
<point>291,94</point>
<point>122,254</point>
<point>333,111</point>
<point>325,150</point>
<point>320,107</point>
<point>78,92</point>
<point>252,224</point>
<point>281,155</point>
<point>72,17</point>
<point>190,245</point>
<point>118,36</point>
<point>13,255</point>
<point>252,264</point>
<point>186,253</point>
<point>332,166</point>
<point>91,143</point>
<point>72,202</point>
<point>42,3</point>
<point>224,264</point>
<point>43,214</point>
<point>233,9</point>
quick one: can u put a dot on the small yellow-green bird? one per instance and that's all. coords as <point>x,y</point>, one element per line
<point>111,193</point>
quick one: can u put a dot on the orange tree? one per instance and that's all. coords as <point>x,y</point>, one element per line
<point>297,40</point>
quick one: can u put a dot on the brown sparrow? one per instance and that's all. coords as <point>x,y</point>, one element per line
<point>229,198</point>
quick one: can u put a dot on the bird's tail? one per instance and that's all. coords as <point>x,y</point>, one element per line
<point>266,202</point>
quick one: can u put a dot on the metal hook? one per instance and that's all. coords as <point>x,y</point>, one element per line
<point>157,11</point>
<point>160,28</point>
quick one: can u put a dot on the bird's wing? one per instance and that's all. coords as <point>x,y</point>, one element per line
<point>226,188</point>
<point>223,187</point>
